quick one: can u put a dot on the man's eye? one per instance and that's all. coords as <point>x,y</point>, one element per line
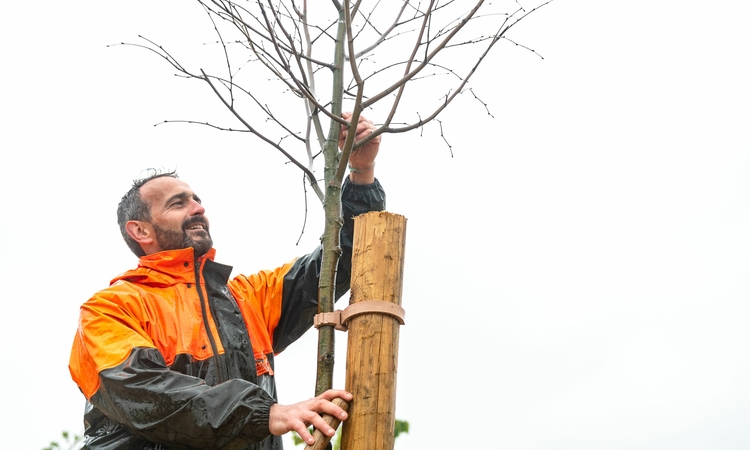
<point>175,204</point>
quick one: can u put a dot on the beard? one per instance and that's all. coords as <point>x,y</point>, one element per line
<point>175,240</point>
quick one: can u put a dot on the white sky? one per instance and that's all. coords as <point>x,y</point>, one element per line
<point>577,272</point>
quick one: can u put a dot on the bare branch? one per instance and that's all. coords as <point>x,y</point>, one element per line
<point>294,161</point>
<point>313,120</point>
<point>402,86</point>
<point>409,75</point>
<point>442,135</point>
<point>304,220</point>
<point>161,52</point>
<point>523,46</point>
<point>226,54</point>
<point>500,34</point>
<point>384,35</point>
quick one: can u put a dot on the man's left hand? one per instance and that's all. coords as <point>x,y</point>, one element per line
<point>361,160</point>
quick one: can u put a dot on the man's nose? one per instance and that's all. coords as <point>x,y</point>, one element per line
<point>196,209</point>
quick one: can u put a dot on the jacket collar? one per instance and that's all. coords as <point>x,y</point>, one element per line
<point>166,267</point>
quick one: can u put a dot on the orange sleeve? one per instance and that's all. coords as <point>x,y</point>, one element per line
<point>110,326</point>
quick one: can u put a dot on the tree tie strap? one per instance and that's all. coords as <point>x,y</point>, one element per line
<point>340,318</point>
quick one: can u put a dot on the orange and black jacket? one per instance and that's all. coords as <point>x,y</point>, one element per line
<point>176,355</point>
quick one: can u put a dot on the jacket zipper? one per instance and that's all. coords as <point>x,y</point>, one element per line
<point>204,307</point>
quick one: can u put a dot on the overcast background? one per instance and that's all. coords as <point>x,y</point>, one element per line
<point>576,271</point>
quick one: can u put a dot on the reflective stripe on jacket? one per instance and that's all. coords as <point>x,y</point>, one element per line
<point>176,355</point>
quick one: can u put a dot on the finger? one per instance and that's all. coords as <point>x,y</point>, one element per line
<point>366,133</point>
<point>364,124</point>
<point>324,427</point>
<point>325,407</point>
<point>363,132</point>
<point>330,394</point>
<point>304,434</point>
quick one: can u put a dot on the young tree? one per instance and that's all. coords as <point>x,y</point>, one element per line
<point>343,55</point>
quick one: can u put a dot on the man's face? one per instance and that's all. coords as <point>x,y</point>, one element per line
<point>177,215</point>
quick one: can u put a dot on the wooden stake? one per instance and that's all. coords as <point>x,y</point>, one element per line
<point>372,349</point>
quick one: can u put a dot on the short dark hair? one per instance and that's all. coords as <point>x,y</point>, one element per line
<point>133,207</point>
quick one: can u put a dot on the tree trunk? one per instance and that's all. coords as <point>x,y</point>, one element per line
<point>333,223</point>
<point>372,352</point>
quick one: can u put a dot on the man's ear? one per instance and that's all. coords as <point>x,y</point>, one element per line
<point>141,232</point>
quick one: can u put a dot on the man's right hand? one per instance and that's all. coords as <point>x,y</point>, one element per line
<point>297,417</point>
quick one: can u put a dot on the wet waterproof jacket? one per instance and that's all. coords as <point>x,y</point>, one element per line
<point>176,355</point>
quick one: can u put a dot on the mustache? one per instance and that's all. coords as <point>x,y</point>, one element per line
<point>195,220</point>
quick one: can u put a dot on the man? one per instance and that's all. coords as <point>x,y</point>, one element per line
<point>175,355</point>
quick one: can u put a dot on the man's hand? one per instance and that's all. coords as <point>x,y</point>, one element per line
<point>362,160</point>
<point>297,417</point>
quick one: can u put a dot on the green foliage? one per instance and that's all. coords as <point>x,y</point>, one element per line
<point>70,442</point>
<point>402,426</point>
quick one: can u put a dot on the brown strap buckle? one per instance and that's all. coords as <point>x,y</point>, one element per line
<point>339,318</point>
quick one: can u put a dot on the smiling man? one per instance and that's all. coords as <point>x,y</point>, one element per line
<point>174,220</point>
<point>175,354</point>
